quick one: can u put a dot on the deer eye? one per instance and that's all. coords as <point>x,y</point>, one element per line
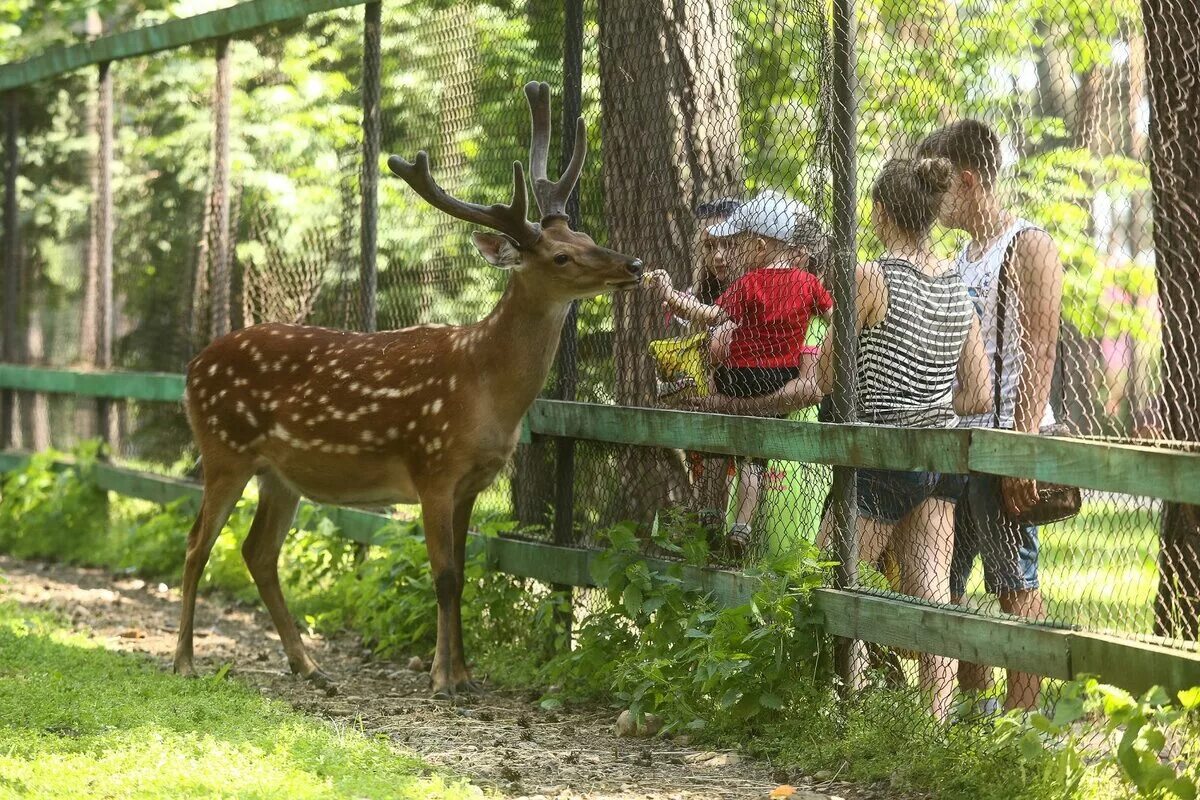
<point>561,258</point>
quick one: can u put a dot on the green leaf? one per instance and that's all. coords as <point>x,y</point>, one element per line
<point>770,700</point>
<point>1181,787</point>
<point>632,599</point>
<point>1031,746</point>
<point>1190,698</point>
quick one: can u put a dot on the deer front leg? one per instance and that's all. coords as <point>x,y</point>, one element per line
<point>458,664</point>
<point>438,514</point>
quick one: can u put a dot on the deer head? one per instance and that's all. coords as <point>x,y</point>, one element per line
<point>548,256</point>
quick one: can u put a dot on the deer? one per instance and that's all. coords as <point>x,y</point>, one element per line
<point>427,414</point>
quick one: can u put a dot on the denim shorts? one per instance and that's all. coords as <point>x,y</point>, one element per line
<point>890,495</point>
<point>1008,549</point>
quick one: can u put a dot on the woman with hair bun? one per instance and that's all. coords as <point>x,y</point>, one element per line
<point>921,362</point>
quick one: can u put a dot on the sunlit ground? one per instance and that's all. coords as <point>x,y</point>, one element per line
<point>77,720</point>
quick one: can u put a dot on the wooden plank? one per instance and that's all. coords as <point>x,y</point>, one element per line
<point>155,386</point>
<point>544,562</point>
<point>155,488</point>
<point>943,450</point>
<point>1129,469</point>
<point>236,20</point>
<point>13,460</point>
<point>1008,642</point>
<point>1132,665</point>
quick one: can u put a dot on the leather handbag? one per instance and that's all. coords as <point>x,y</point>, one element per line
<point>1055,501</point>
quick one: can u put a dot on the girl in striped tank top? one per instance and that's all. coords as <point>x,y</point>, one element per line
<point>918,340</point>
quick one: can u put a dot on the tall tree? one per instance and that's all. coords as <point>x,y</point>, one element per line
<point>672,138</point>
<point>1173,68</point>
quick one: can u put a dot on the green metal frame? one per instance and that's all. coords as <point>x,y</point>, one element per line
<point>239,19</point>
<point>1006,642</point>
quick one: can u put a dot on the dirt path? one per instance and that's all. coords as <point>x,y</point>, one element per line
<point>503,740</point>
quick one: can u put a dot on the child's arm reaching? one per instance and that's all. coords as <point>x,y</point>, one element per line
<point>683,304</point>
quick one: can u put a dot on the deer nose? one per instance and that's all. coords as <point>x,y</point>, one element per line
<point>635,267</point>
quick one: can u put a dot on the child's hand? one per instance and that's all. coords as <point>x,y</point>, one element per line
<point>659,282</point>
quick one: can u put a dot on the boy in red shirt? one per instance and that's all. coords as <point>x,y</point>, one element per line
<point>760,323</point>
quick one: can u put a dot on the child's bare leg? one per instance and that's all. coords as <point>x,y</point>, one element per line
<point>923,545</point>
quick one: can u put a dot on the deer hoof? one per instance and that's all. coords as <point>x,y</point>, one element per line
<point>469,687</point>
<point>184,669</point>
<point>445,693</point>
<point>320,679</point>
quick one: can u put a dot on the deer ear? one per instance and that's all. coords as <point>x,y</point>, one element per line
<point>499,250</point>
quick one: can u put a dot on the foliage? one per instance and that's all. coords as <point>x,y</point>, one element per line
<point>1151,742</point>
<point>752,675</point>
<point>81,721</point>
<point>664,644</point>
<point>44,511</point>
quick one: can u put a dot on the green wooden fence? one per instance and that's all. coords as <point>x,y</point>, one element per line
<point>1047,649</point>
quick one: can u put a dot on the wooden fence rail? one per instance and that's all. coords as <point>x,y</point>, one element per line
<point>1046,649</point>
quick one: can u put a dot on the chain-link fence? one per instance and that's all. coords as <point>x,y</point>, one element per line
<point>1016,251</point>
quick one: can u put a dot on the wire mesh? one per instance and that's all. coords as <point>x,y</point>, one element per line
<point>711,128</point>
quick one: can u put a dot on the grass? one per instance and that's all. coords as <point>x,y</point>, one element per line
<point>77,720</point>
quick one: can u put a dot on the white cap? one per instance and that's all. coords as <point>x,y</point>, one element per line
<point>772,215</point>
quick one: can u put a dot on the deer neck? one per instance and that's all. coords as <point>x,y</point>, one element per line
<point>522,338</point>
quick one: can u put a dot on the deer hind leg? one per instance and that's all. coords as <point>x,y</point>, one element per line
<point>222,488</point>
<point>458,661</point>
<point>438,514</point>
<point>277,504</point>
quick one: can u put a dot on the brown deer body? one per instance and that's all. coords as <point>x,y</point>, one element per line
<point>428,414</point>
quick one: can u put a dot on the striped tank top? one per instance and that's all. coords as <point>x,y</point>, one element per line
<point>907,362</point>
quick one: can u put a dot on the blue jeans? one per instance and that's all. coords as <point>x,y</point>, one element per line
<point>1009,550</point>
<point>890,495</point>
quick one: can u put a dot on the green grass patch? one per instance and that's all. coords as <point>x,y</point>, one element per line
<point>77,720</point>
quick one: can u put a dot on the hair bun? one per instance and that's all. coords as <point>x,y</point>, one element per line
<point>934,175</point>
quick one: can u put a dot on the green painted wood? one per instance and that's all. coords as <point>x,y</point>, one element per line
<point>943,450</point>
<point>1129,469</point>
<point>1134,666</point>
<point>155,488</point>
<point>233,21</point>
<point>889,621</point>
<point>13,460</point>
<point>544,562</point>
<point>155,386</point>
<point>1152,472</point>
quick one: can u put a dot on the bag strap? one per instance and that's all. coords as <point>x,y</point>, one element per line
<point>998,356</point>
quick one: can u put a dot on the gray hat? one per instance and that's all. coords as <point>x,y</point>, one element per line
<point>774,216</point>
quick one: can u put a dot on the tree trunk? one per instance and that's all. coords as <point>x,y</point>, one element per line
<point>672,139</point>
<point>1173,67</point>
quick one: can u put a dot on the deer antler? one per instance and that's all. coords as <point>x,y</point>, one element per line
<point>551,196</point>
<point>509,219</point>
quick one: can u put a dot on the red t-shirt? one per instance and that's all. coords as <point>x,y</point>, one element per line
<point>771,307</point>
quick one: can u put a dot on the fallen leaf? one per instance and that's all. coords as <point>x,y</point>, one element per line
<point>132,633</point>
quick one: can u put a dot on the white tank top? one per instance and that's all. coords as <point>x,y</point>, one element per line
<point>980,276</point>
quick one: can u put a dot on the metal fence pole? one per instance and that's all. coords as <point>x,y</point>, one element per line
<point>104,244</point>
<point>221,278</point>
<point>567,361</point>
<point>567,366</point>
<point>369,180</point>
<point>12,261</point>
<point>845,335</point>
